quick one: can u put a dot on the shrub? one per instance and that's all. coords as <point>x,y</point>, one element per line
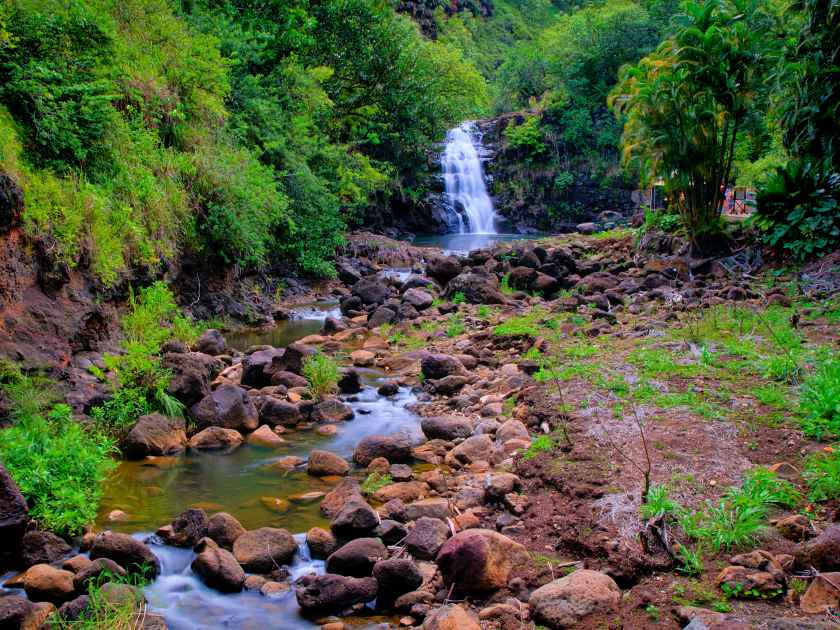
<point>116,416</point>
<point>59,467</point>
<point>822,475</point>
<point>323,374</point>
<point>661,221</point>
<point>820,401</point>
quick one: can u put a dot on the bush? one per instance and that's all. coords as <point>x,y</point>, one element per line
<point>820,401</point>
<point>59,467</point>
<point>117,416</point>
<point>323,374</point>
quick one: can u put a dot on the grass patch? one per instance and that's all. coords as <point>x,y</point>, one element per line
<point>527,325</point>
<point>374,482</point>
<point>822,475</point>
<point>820,401</point>
<point>539,444</point>
<point>322,372</point>
<point>455,325</point>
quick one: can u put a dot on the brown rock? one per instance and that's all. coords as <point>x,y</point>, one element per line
<point>216,438</point>
<point>328,592</point>
<point>796,527</point>
<point>822,595</point>
<point>155,434</point>
<point>127,552</point>
<point>475,448</point>
<point>405,491</point>
<point>321,542</point>
<point>745,582</point>
<point>451,617</point>
<point>565,602</point>
<point>217,567</point>
<point>477,560</point>
<point>40,547</point>
<point>266,438</point>
<point>338,496</point>
<point>44,583</point>
<point>822,553</point>
<point>229,407</point>
<point>224,529</point>
<point>357,557</point>
<point>426,538</point>
<point>324,463</point>
<point>14,514</point>
<point>265,549</point>
<point>395,448</point>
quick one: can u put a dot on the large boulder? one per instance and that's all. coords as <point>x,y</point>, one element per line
<point>512,430</point>
<point>211,342</point>
<point>446,427</point>
<point>443,268</point>
<point>477,288</point>
<point>382,315</point>
<point>396,576</point>
<point>45,583</point>
<point>357,557</point>
<point>192,373</point>
<point>354,518</point>
<point>566,602</point>
<point>155,434</point>
<point>293,358</point>
<point>395,448</point>
<point>258,367</point>
<point>426,538</point>
<point>475,448</point>
<point>478,560</point>
<point>418,298</point>
<point>14,611</point>
<point>38,547</point>
<point>437,366</point>
<point>332,593</point>
<point>224,529</point>
<point>451,617</point>
<point>321,542</point>
<point>371,291</point>
<point>216,438</point>
<point>265,549</point>
<point>324,463</point>
<point>821,553</point>
<point>217,567</point>
<point>126,551</point>
<point>331,411</point>
<point>14,514</point>
<point>228,407</point>
<point>277,412</point>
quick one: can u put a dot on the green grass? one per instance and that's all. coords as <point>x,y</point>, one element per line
<point>658,503</point>
<point>374,482</point>
<point>770,395</point>
<point>539,444</point>
<point>527,325</point>
<point>323,373</point>
<point>822,476</point>
<point>820,401</point>
<point>455,325</point>
<point>504,286</point>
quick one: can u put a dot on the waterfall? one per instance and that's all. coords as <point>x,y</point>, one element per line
<point>466,193</point>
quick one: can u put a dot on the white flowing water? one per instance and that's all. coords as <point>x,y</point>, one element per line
<point>466,192</point>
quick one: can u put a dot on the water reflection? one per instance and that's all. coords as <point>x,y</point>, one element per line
<point>303,320</point>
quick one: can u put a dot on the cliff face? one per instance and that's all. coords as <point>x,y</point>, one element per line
<point>540,196</point>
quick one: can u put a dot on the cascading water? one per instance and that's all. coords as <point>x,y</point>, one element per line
<point>466,192</point>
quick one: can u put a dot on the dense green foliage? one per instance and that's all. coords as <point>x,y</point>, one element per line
<point>323,374</point>
<point>58,464</point>
<point>246,133</point>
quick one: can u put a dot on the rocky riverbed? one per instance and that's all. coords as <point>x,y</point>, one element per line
<point>479,466</point>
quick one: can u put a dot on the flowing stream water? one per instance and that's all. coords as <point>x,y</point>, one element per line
<point>255,486</point>
<point>463,176</point>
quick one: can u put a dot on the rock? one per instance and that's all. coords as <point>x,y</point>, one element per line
<point>155,434</point>
<point>228,407</point>
<point>405,491</point>
<point>39,616</point>
<point>332,411</point>
<point>192,373</point>
<point>76,564</point>
<point>437,508</point>
<point>501,484</point>
<point>293,358</point>
<point>357,557</point>
<point>478,560</point>
<point>258,367</point>
<point>382,315</point>
<point>321,542</point>
<point>418,298</point>
<point>14,514</point>
<point>362,358</point>
<point>324,593</point>
<point>449,384</point>
<point>426,538</point>
<point>121,595</point>
<point>129,553</point>
<point>211,342</point>
<point>279,413</point>
<point>44,583</point>
<point>217,567</point>
<point>822,594</point>
<point>324,463</point>
<point>350,382</point>
<point>14,611</point>
<point>39,547</point>
<point>796,527</point>
<point>566,602</point>
<point>371,291</point>
<point>443,268</point>
<point>390,532</point>
<point>274,589</point>
<point>451,617</point>
<point>187,529</point>
<point>355,518</point>
<point>216,438</point>
<point>389,388</point>
<point>473,449</point>
<point>446,427</point>
<point>395,448</point>
<point>288,379</point>
<point>437,366</point>
<point>512,430</point>
<point>745,582</point>
<point>265,437</point>
<point>822,553</point>
<point>74,609</point>
<point>265,549</point>
<point>395,576</point>
<point>477,288</point>
<point>337,498</point>
<point>94,570</point>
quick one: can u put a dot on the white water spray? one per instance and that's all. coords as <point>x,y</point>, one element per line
<point>466,193</point>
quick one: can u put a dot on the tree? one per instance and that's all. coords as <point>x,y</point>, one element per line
<point>686,102</point>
